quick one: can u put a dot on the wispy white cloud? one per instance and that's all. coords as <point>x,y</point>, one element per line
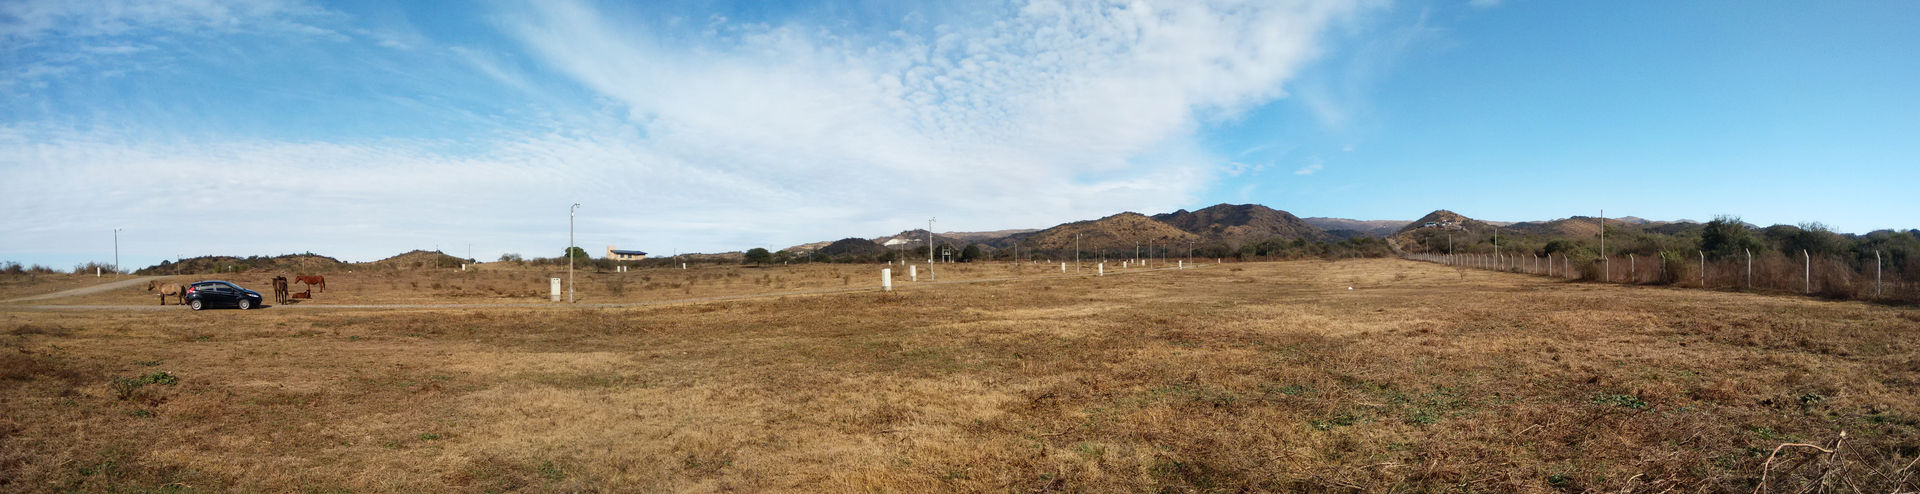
<point>1340,95</point>
<point>30,20</point>
<point>722,135</point>
<point>1052,111</point>
<point>50,38</point>
<point>1311,168</point>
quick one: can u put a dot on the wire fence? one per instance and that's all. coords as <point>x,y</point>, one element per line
<point>1871,279</point>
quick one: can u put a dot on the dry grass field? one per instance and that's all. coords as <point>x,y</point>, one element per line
<point>1257,376</point>
<point>505,283</point>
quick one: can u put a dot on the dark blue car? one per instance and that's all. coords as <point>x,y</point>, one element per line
<point>216,293</point>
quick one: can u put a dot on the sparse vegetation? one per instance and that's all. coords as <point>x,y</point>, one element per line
<point>1272,377</point>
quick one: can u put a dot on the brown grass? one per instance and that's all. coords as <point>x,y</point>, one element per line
<point>506,283</point>
<point>1258,376</point>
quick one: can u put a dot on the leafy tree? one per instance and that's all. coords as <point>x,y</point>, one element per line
<point>759,255</point>
<point>1726,236</point>
<point>1815,238</point>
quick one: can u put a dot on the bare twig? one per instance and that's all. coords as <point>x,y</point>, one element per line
<point>1776,452</point>
<point>1904,473</point>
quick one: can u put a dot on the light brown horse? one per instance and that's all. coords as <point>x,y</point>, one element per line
<point>313,281</point>
<point>280,289</point>
<point>178,292</point>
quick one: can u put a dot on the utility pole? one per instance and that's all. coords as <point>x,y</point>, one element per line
<point>930,243</point>
<point>570,251</point>
<point>116,253</point>
<point>1076,253</point>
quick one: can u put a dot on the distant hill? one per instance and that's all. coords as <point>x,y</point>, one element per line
<point>420,259</point>
<point>1242,222</point>
<point>1118,232</point>
<point>1577,226</point>
<point>858,247</point>
<point>1377,228</point>
<point>984,237</point>
<point>1445,220</point>
<point>917,239</point>
<point>291,263</point>
<point>804,248</point>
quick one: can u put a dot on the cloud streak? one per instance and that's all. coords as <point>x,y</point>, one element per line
<point>723,135</point>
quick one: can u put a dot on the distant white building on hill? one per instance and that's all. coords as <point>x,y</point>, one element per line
<point>624,255</point>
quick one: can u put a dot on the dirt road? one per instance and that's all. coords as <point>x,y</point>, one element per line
<point>134,281</point>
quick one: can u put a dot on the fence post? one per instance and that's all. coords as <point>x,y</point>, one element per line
<point>1808,278</point>
<point>1703,269</point>
<point>1633,269</point>
<point>1749,268</point>
<point>1876,274</point>
<point>886,279</point>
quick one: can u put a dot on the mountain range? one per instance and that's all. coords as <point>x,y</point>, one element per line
<point>1231,225</point>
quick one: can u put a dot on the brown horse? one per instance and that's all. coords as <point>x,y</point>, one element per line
<point>280,289</point>
<point>313,281</point>
<point>178,292</point>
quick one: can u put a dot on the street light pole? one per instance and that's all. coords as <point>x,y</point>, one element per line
<point>930,243</point>
<point>571,252</point>
<point>116,253</point>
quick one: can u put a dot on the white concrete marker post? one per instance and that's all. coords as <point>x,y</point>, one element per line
<point>913,273</point>
<point>886,279</point>
<point>1063,267</point>
<point>1103,269</point>
<point>556,289</point>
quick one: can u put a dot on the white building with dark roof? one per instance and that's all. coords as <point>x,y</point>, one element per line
<point>624,255</point>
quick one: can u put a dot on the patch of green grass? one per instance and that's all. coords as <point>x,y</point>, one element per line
<point>1622,400</point>
<point>550,472</point>
<point>125,387</point>
<point>148,363</point>
<point>1343,419</point>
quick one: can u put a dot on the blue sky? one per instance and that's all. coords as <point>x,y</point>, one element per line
<point>365,129</point>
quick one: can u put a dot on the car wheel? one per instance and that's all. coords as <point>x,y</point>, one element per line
<point>245,304</point>
<point>196,305</point>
